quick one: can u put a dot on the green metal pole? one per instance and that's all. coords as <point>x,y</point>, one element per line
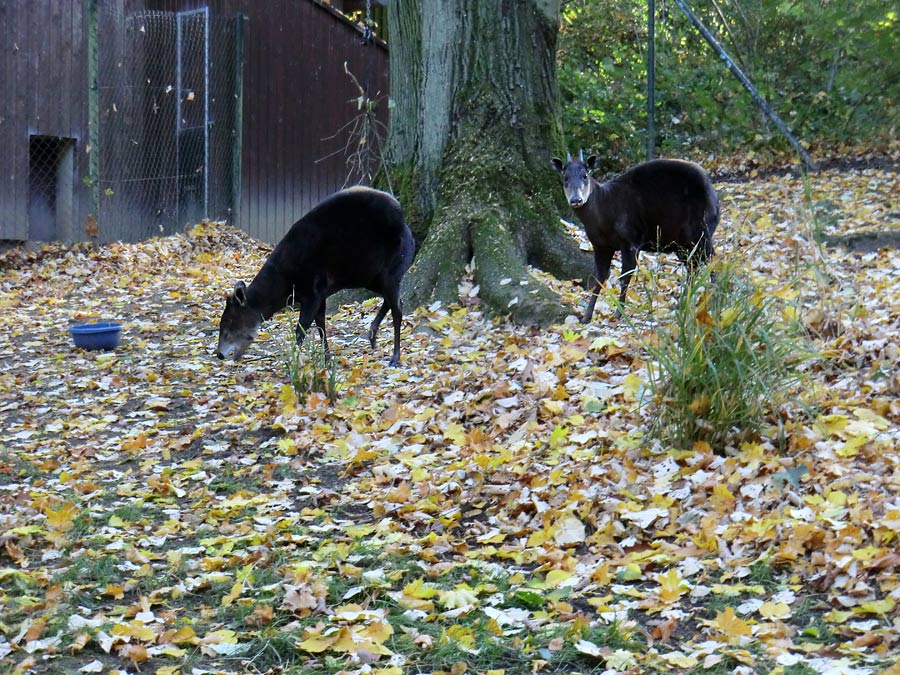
<point>93,101</point>
<point>651,77</point>
<point>748,85</point>
<point>240,22</point>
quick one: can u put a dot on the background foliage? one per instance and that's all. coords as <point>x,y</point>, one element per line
<point>826,67</point>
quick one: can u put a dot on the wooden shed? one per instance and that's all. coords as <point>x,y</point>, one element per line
<point>123,119</point>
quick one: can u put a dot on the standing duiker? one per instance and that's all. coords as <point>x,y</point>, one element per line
<point>664,205</point>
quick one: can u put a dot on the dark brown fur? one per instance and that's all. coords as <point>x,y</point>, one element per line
<point>664,205</point>
<point>357,238</point>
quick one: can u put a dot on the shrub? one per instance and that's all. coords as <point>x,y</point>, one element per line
<point>309,367</point>
<point>727,356</point>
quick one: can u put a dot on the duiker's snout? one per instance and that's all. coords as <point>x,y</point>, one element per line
<point>578,194</point>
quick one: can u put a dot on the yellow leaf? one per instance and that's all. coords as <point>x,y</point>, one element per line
<point>873,418</point>
<point>378,631</point>
<point>556,577</point>
<point>114,591</point>
<point>672,586</point>
<point>729,314</point>
<point>539,538</point>
<point>493,536</point>
<point>411,602</point>
<point>631,385</point>
<point>631,572</point>
<point>455,433</point>
<point>61,519</point>
<point>168,670</point>
<point>220,636</point>
<point>135,445</point>
<point>345,641</point>
<point>601,575</point>
<point>700,405</point>
<point>363,455</point>
<point>722,497</point>
<point>775,611</point>
<point>359,531</point>
<point>680,660</point>
<point>136,629</point>
<point>318,643</point>
<point>866,554</point>
<point>400,494</point>
<point>876,606</point>
<point>731,625</point>
<point>850,448</point>
<point>235,593</point>
<point>136,653</point>
<point>461,596</point>
<point>419,589</point>
<point>182,635</point>
<point>836,498</point>
<point>287,446</point>
<point>288,398</point>
<point>829,425</point>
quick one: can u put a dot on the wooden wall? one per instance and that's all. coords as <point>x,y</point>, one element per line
<point>297,104</point>
<point>43,91</point>
<point>297,101</point>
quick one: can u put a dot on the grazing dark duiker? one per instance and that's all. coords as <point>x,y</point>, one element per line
<point>664,205</point>
<point>356,238</point>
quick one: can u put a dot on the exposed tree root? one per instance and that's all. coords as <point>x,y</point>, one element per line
<point>502,246</point>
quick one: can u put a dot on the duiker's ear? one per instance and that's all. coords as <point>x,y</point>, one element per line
<point>557,164</point>
<point>591,162</point>
<point>240,293</point>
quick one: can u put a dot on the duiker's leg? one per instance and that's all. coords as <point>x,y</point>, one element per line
<point>310,308</point>
<point>392,298</point>
<point>602,261</point>
<point>320,322</point>
<point>376,322</point>
<point>629,264</point>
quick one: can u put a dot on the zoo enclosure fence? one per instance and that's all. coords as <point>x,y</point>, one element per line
<point>172,111</point>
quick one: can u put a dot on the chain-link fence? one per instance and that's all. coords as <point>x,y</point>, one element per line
<point>166,120</point>
<point>123,119</point>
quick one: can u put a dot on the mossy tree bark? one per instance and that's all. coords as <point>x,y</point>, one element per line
<point>475,122</point>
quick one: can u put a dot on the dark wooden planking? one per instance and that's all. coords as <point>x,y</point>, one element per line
<point>295,96</point>
<point>7,136</point>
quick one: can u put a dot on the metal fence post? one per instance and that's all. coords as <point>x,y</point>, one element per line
<point>748,85</point>
<point>94,224</point>
<point>240,22</point>
<point>651,77</point>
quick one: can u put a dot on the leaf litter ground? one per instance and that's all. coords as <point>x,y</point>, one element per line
<point>494,505</point>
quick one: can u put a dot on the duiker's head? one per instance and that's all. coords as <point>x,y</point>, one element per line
<point>576,175</point>
<point>238,326</point>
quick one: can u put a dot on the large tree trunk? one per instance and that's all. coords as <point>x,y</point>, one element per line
<point>474,126</point>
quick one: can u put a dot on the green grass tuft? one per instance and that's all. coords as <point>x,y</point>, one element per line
<point>726,357</point>
<point>308,366</point>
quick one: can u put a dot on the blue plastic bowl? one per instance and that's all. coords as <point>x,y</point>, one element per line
<point>103,335</point>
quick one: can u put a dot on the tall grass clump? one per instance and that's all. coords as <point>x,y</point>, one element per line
<point>726,357</point>
<point>308,366</point>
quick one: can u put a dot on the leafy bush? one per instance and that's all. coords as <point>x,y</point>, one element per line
<point>308,366</point>
<point>726,356</point>
<point>828,69</point>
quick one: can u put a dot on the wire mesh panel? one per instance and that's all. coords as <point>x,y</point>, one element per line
<point>166,121</point>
